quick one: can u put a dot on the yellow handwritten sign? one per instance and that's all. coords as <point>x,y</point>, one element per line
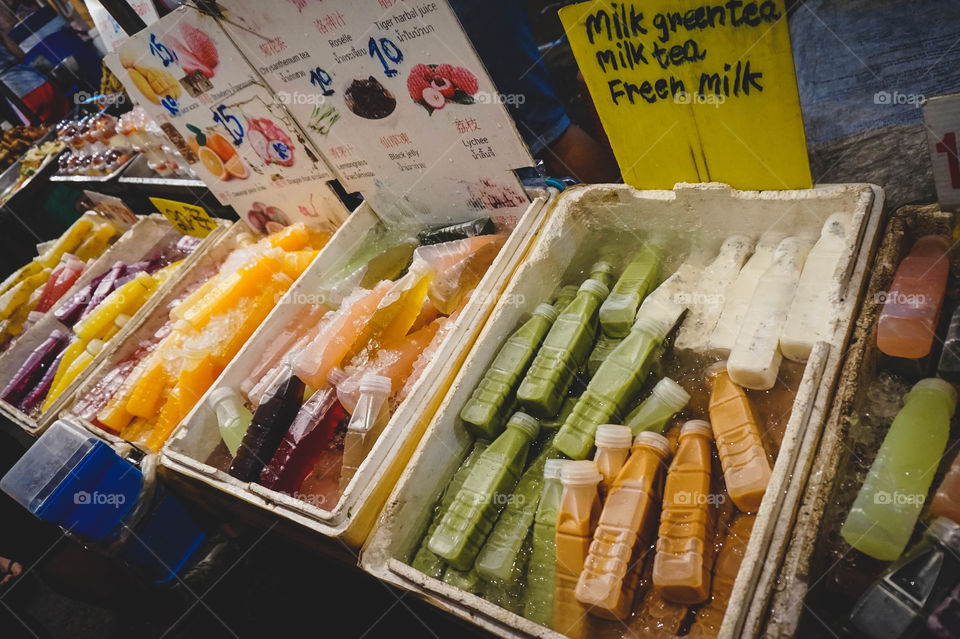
<point>694,90</point>
<point>189,219</point>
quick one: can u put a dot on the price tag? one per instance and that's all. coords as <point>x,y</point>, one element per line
<point>189,219</point>
<point>942,116</point>
<point>694,91</point>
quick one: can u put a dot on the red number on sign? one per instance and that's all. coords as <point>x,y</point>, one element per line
<point>949,146</point>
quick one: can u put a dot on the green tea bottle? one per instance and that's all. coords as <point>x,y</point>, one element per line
<point>620,309</point>
<point>564,352</point>
<point>889,502</point>
<point>541,569</point>
<point>602,271</point>
<point>665,400</point>
<point>425,561</point>
<point>471,515</point>
<point>564,296</point>
<point>616,383</point>
<point>486,412</point>
<point>601,351</point>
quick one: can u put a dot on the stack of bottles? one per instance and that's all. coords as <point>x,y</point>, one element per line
<point>533,522</point>
<point>325,389</point>
<point>144,397</point>
<point>35,287</point>
<point>89,319</point>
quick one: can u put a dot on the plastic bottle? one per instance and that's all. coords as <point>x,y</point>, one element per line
<point>80,364</point>
<point>465,526</point>
<point>949,367</point>
<point>619,310</point>
<point>247,281</point>
<point>449,288</point>
<point>706,305</point>
<point>908,321</point>
<point>291,238</point>
<point>34,367</point>
<point>389,265</point>
<point>564,296</point>
<point>944,623</point>
<point>160,428</point>
<point>897,603</point>
<point>613,445</point>
<point>617,383</point>
<point>667,302</point>
<point>61,279</point>
<point>602,271</point>
<point>64,360</point>
<point>304,443</point>
<point>197,374</point>
<point>746,469</point>
<point>424,560</point>
<point>246,317</point>
<point>67,242</point>
<point>563,353</point>
<point>502,551</point>
<point>449,233</point>
<point>666,399</point>
<point>755,358</point>
<point>738,296</point>
<point>338,335</point>
<point>946,500</point>
<point>577,517</point>
<point>96,242</point>
<point>296,262</point>
<point>542,567</point>
<point>725,570</point>
<point>813,311</point>
<point>625,529</point>
<point>886,508</point>
<point>366,424</point>
<point>125,300</point>
<point>233,418</point>
<point>290,342</point>
<point>601,351</point>
<point>485,413</point>
<point>267,427</point>
<point>34,398</point>
<point>682,565</point>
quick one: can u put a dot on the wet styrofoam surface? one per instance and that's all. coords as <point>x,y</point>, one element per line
<point>352,517</point>
<point>142,239</point>
<point>697,216</point>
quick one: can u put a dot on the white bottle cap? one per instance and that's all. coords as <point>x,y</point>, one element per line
<point>596,287</point>
<point>935,383</point>
<point>671,393</point>
<point>547,311</point>
<point>336,376</point>
<point>697,427</point>
<point>222,394</point>
<point>552,468</point>
<point>121,320</point>
<point>525,423</point>
<point>580,473</point>
<point>375,384</point>
<point>95,346</point>
<point>654,440</point>
<point>603,267</point>
<point>613,436</point>
<point>652,325</point>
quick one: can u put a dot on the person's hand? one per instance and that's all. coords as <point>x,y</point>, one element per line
<point>9,570</point>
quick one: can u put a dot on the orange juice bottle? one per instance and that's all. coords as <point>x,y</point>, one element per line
<point>746,469</point>
<point>946,500</point>
<point>613,445</point>
<point>248,280</point>
<point>576,518</point>
<point>681,567</point>
<point>612,569</point>
<point>292,238</point>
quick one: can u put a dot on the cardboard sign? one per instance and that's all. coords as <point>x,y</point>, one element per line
<point>694,90</point>
<point>189,219</point>
<point>112,208</point>
<point>942,116</point>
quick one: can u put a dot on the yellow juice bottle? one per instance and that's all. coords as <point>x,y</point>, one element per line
<point>68,242</point>
<point>125,300</point>
<point>92,349</point>
<point>97,242</point>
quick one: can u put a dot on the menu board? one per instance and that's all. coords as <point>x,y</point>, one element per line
<point>214,107</point>
<point>394,96</point>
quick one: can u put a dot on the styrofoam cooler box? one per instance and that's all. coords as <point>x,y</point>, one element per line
<point>690,217</point>
<point>143,238</point>
<point>352,517</point>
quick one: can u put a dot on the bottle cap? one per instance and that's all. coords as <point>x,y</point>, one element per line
<point>697,427</point>
<point>183,326</point>
<point>222,394</point>
<point>596,287</point>
<point>935,383</point>
<point>95,346</point>
<point>613,436</point>
<point>602,267</point>
<point>144,278</point>
<point>524,423</point>
<point>947,532</point>
<point>336,376</point>
<point>654,440</point>
<point>375,384</point>
<point>552,468</point>
<point>671,393</point>
<point>715,369</point>
<point>580,473</point>
<point>547,311</point>
<point>121,320</point>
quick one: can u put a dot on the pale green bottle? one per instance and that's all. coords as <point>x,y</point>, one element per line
<point>617,383</point>
<point>564,352</point>
<point>666,399</point>
<point>886,509</point>
<point>639,277</point>
<point>564,296</point>
<point>486,412</point>
<point>425,561</point>
<point>603,271</point>
<point>538,598</point>
<point>468,521</point>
